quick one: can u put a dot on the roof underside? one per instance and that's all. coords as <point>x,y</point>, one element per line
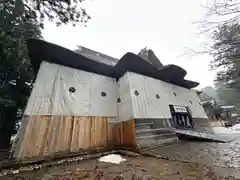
<point>40,50</point>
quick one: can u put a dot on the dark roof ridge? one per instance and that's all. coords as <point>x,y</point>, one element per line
<point>150,56</point>
<point>96,56</point>
<point>40,50</point>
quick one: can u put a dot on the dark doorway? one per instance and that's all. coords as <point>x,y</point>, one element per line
<point>181,117</point>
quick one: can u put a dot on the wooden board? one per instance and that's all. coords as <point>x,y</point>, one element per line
<point>124,134</point>
<point>53,135</point>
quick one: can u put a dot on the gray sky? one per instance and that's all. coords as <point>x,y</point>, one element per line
<point>120,26</point>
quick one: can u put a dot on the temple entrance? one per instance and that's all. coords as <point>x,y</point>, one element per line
<point>181,117</point>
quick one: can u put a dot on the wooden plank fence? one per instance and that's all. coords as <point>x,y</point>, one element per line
<point>42,136</point>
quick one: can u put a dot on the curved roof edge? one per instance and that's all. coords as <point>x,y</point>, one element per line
<point>40,50</point>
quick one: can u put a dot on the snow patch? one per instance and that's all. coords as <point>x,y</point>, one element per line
<point>112,158</point>
<point>236,127</point>
<point>224,130</point>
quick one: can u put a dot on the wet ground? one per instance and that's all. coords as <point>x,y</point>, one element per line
<point>135,168</point>
<point>188,160</point>
<point>223,157</point>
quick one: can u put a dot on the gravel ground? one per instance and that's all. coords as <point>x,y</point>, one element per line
<point>135,168</point>
<point>224,158</point>
<point>188,161</point>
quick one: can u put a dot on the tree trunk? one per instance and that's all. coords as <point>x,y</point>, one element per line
<point>7,127</point>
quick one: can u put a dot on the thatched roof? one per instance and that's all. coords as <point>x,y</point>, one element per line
<point>149,55</point>
<point>96,56</point>
<point>146,54</point>
<point>40,50</point>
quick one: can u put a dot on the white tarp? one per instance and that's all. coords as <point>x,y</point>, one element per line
<point>146,105</point>
<point>51,95</point>
<point>236,127</point>
<point>223,130</point>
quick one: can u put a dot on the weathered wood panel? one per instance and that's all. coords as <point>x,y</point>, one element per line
<point>124,134</point>
<point>89,133</point>
<point>31,137</point>
<point>53,135</point>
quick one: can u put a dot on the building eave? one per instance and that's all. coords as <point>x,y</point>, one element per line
<point>40,50</point>
<point>96,56</point>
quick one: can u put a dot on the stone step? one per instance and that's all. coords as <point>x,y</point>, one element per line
<point>155,131</point>
<point>144,124</point>
<point>155,136</point>
<point>151,143</point>
<point>142,128</point>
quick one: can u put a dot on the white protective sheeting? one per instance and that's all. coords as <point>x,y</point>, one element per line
<point>125,111</point>
<point>39,100</point>
<point>223,130</point>
<point>146,105</point>
<point>51,95</point>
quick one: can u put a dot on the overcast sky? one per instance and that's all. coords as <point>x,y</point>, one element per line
<point>120,26</point>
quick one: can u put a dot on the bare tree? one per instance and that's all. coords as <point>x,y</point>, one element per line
<point>59,11</point>
<point>221,22</point>
<point>219,13</point>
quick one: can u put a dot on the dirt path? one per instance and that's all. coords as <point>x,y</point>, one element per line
<point>135,168</point>
<point>223,157</point>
